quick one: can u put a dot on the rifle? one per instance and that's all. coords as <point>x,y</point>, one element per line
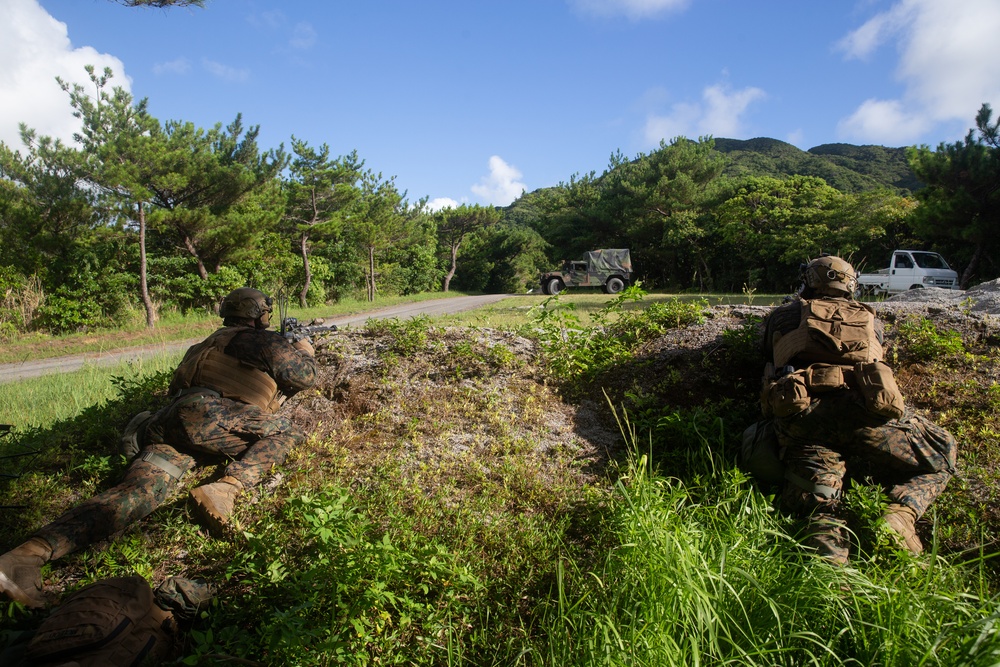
<point>290,327</point>
<point>293,331</point>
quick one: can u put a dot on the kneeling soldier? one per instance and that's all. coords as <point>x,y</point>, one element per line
<point>832,399</point>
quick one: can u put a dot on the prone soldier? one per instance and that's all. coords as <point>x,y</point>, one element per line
<point>225,395</point>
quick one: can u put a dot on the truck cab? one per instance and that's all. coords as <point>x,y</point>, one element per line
<point>909,269</point>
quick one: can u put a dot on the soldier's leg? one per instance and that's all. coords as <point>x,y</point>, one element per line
<point>814,481</point>
<point>916,459</point>
<point>147,482</point>
<point>254,440</point>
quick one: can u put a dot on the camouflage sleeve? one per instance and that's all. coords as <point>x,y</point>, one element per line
<point>293,369</point>
<point>272,353</point>
<point>782,319</point>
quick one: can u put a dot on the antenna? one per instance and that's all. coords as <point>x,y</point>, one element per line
<point>282,308</point>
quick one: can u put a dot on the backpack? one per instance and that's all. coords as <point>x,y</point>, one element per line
<point>110,623</point>
<point>833,331</point>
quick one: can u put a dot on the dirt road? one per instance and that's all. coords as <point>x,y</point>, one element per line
<point>30,369</point>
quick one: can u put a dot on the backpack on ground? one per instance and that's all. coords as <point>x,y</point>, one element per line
<point>112,622</point>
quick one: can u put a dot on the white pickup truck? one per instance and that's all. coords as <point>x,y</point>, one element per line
<point>908,269</point>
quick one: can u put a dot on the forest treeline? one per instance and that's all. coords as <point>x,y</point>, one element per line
<point>138,215</point>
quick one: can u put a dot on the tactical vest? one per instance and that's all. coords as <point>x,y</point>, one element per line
<point>835,347</point>
<point>207,365</point>
<point>830,331</point>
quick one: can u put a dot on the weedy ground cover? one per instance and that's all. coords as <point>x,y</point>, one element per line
<point>447,510</point>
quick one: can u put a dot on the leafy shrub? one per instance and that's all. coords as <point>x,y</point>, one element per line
<point>93,298</point>
<point>326,588</point>
<point>923,341</point>
<point>406,336</point>
<point>20,297</point>
<point>578,353</point>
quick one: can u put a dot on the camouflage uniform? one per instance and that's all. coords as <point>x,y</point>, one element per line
<point>198,421</point>
<point>911,457</point>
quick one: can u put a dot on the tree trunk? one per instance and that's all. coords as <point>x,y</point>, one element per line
<point>371,273</point>
<point>454,263</point>
<point>202,271</point>
<point>143,284</point>
<point>304,249</point>
<point>970,270</point>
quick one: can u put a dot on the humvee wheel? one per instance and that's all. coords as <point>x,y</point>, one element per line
<point>614,285</point>
<point>554,286</point>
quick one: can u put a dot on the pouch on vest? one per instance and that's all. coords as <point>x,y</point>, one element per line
<point>110,622</point>
<point>878,386</point>
<point>821,378</point>
<point>786,396</point>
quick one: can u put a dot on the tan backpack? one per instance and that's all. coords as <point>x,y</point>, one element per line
<point>833,331</point>
<point>110,623</point>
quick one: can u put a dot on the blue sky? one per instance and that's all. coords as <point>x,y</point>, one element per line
<point>473,101</point>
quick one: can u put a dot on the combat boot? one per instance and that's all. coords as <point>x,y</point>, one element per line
<point>21,572</point>
<point>901,520</point>
<point>215,501</point>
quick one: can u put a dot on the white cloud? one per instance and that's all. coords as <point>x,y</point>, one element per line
<point>861,43</point>
<point>303,36</point>
<point>718,114</point>
<point>633,9</point>
<point>888,121</point>
<point>225,71</point>
<point>176,66</point>
<point>502,186</point>
<point>947,65</point>
<point>35,49</point>
<point>439,203</point>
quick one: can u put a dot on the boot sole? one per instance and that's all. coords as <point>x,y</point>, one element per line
<point>18,594</point>
<point>210,519</point>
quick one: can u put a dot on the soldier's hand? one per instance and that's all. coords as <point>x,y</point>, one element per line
<point>303,345</point>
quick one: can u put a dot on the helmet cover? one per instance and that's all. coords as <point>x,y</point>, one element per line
<point>246,303</point>
<point>831,275</point>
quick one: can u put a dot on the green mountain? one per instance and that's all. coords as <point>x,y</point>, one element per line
<point>843,166</point>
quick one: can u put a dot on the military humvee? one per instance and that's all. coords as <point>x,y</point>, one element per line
<point>608,269</point>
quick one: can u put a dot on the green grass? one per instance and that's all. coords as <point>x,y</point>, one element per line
<point>40,402</point>
<point>516,311</point>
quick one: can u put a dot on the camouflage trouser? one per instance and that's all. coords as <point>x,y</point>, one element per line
<point>911,457</point>
<point>253,441</point>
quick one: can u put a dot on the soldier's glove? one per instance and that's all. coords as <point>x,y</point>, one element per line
<point>303,345</point>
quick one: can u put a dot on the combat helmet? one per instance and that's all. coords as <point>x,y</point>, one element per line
<point>831,276</point>
<point>246,303</point>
